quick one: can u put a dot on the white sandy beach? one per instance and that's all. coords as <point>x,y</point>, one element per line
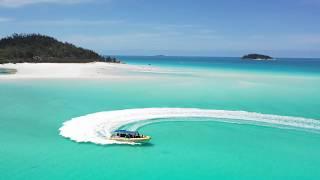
<point>75,70</point>
<point>101,70</point>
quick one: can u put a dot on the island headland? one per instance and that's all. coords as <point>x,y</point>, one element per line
<point>256,57</point>
<point>37,48</point>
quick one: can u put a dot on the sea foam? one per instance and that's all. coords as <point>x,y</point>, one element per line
<point>97,127</point>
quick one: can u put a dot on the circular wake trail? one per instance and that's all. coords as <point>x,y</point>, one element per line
<point>97,127</point>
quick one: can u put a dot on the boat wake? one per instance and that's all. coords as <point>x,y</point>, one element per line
<point>97,127</point>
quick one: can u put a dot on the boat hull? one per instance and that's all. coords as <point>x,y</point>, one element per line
<point>133,140</point>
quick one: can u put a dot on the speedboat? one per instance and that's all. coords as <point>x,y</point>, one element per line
<point>129,136</point>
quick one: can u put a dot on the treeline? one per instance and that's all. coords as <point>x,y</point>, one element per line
<point>256,56</point>
<point>40,48</point>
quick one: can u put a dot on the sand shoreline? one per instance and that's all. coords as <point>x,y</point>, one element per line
<point>107,71</point>
<point>94,70</point>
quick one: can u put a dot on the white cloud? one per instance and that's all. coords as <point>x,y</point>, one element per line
<point>146,41</point>
<point>197,44</point>
<point>5,19</point>
<point>18,3</point>
<point>150,41</point>
<point>311,39</point>
<point>70,22</point>
<point>310,2</point>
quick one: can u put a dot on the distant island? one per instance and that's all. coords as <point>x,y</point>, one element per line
<point>37,48</point>
<point>256,57</point>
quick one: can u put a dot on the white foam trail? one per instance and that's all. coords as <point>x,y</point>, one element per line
<point>97,127</point>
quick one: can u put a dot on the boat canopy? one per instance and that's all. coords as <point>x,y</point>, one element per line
<point>126,132</point>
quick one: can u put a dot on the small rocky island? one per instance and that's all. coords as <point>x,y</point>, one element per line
<point>256,57</point>
<point>36,48</point>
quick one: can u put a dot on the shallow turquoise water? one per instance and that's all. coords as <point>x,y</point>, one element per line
<point>302,66</point>
<point>33,110</point>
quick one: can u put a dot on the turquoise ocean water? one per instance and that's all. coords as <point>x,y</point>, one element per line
<point>32,111</point>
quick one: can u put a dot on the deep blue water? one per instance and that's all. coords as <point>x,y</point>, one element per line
<point>279,65</point>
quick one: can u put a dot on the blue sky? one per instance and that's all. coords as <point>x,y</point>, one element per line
<point>281,28</point>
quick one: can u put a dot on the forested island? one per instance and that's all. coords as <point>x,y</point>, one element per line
<point>257,57</point>
<point>37,48</point>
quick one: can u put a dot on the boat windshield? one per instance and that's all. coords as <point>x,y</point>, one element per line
<point>126,134</point>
